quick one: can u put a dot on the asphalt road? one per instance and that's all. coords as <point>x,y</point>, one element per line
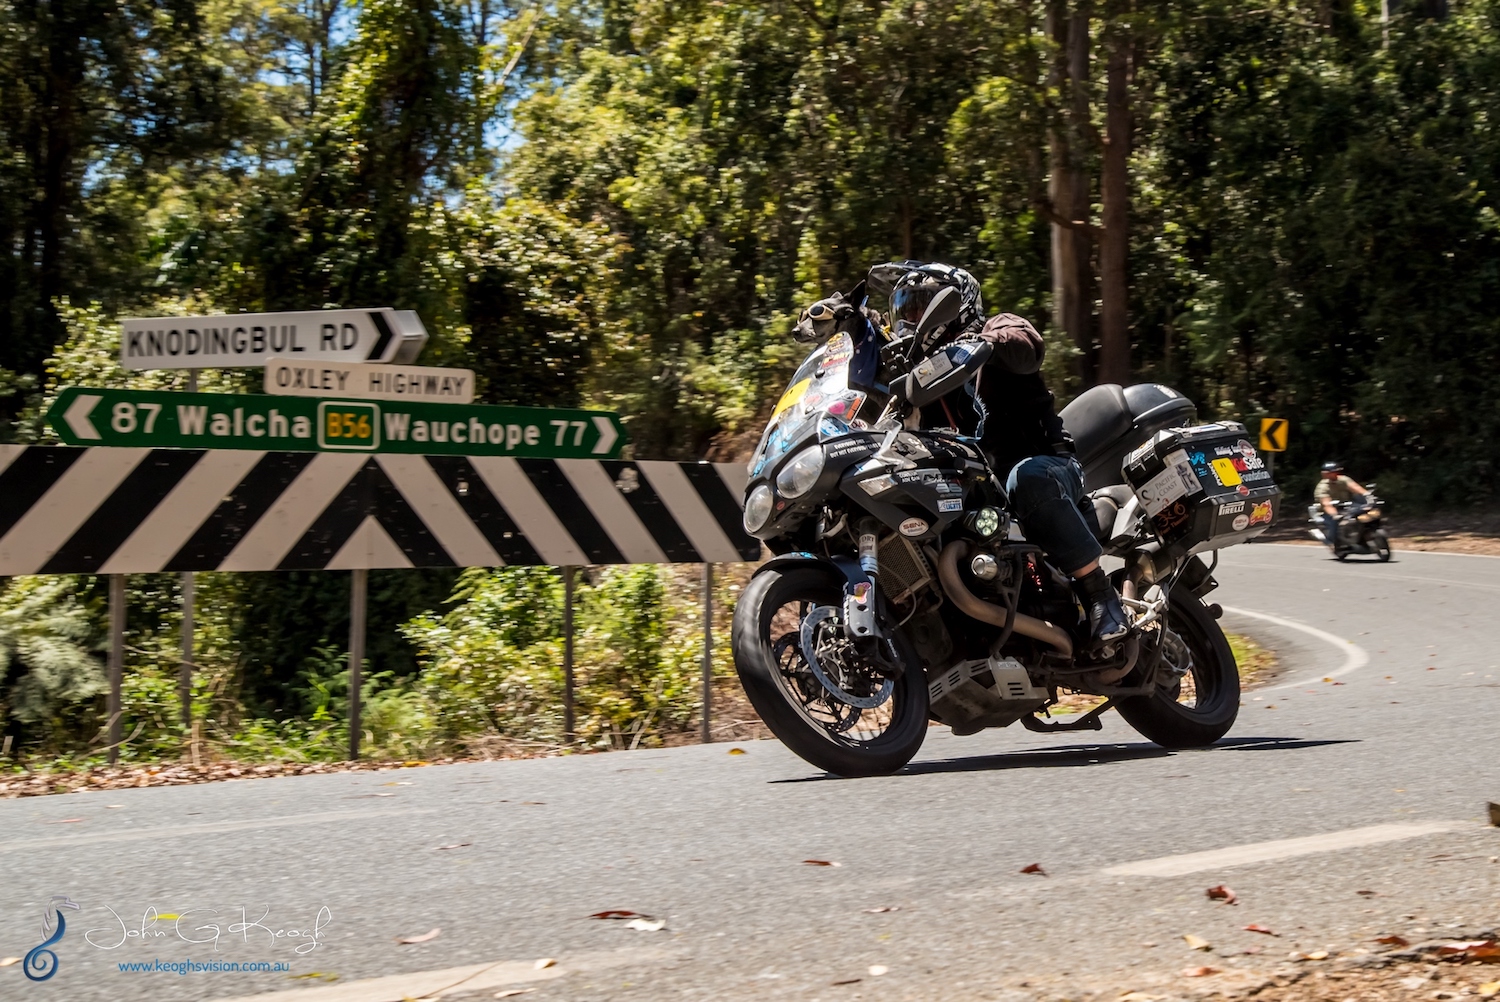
<point>1383,772</point>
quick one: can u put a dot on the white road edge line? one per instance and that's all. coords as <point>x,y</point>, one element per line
<point>1355,656</point>
<point>1262,852</point>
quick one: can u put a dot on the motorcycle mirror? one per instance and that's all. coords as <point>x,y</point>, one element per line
<point>943,309</point>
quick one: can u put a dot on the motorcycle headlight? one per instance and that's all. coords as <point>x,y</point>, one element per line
<point>758,508</point>
<point>797,477</point>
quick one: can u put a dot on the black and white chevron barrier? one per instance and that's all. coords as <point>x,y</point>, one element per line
<point>127,511</point>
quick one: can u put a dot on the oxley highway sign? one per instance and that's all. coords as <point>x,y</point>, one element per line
<point>249,339</point>
<point>291,377</point>
<point>163,420</point>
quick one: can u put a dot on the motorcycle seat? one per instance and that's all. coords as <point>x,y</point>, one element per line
<point>1108,420</point>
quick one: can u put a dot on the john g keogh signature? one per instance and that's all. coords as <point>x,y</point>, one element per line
<point>203,925</point>
<point>195,925</point>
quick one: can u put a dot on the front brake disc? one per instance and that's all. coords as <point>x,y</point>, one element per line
<point>811,650</point>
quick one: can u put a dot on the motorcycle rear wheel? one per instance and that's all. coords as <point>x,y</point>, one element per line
<point>1202,706</point>
<point>808,717</point>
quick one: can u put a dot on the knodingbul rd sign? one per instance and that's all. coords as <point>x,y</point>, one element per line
<point>250,339</point>
<point>368,381</point>
<point>162,420</point>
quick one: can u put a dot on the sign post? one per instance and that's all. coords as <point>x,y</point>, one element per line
<point>116,662</point>
<point>359,580</point>
<point>156,419</point>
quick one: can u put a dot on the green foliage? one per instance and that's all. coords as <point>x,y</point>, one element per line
<point>48,653</point>
<point>493,664</point>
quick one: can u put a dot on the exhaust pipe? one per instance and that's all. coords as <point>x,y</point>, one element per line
<point>988,612</point>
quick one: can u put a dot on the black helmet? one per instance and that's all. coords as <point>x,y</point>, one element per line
<point>1333,467</point>
<point>912,292</point>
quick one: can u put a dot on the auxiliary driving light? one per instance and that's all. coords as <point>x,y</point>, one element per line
<point>985,522</point>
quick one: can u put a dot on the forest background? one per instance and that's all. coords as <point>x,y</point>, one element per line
<point>1282,207</point>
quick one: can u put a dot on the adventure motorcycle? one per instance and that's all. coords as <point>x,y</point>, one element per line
<point>1360,527</point>
<point>901,590</point>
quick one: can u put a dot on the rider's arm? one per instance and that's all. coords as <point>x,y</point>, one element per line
<point>942,372</point>
<point>1324,499</point>
<point>1354,486</point>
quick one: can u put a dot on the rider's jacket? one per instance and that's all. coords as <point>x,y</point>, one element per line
<point>1006,403</point>
<point>1336,490</point>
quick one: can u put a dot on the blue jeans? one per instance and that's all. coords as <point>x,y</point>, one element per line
<point>1046,495</point>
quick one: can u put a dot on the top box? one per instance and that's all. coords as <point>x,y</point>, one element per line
<point>249,340</point>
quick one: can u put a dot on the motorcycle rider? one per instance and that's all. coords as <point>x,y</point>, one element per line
<point>1006,405</point>
<point>1333,489</point>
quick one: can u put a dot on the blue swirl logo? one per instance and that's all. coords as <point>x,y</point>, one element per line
<point>41,962</point>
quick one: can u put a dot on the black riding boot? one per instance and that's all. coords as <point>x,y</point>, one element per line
<point>1107,620</point>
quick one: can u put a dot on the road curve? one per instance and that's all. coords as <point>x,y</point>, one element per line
<point>1373,781</point>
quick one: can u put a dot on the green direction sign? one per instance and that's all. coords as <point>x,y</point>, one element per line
<point>161,420</point>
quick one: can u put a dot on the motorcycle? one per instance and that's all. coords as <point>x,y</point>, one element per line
<point>901,591</point>
<point>1360,527</point>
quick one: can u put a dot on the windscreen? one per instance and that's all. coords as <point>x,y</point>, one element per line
<point>829,395</point>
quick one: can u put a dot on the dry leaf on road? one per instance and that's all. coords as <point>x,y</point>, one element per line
<point>876,970</point>
<point>1489,989</point>
<point>1034,868</point>
<point>735,751</point>
<point>849,981</point>
<point>646,925</point>
<point>426,937</point>
<point>1450,949</point>
<point>7,961</point>
<point>455,845</point>
<point>819,862</point>
<point>1221,892</point>
<point>1199,972</point>
<point>1397,941</point>
<point>883,908</point>
<point>511,993</point>
<point>1369,894</point>
<point>543,964</point>
<point>1257,927</point>
<point>618,913</point>
<point>1486,954</point>
<point>1196,942</point>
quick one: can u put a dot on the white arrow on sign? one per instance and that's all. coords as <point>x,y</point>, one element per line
<point>607,435</point>
<point>77,416</point>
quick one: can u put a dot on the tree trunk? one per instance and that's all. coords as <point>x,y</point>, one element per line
<point>1114,245</point>
<point>1068,183</point>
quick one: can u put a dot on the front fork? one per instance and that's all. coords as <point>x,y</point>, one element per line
<point>861,608</point>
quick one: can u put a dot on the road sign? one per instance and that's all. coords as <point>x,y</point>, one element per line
<point>250,339</point>
<point>290,377</point>
<point>162,420</point>
<point>128,511</point>
<point>1273,434</point>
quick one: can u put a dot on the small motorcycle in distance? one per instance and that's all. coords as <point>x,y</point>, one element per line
<point>1361,528</point>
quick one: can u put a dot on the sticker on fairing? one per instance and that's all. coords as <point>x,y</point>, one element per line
<point>947,505</point>
<point>913,527</point>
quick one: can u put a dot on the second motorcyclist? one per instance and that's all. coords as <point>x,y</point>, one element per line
<point>1005,404</point>
<point>1334,489</point>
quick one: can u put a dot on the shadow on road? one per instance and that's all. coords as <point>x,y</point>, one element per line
<point>1068,756</point>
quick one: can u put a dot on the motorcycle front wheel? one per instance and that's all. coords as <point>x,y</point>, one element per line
<point>1199,706</point>
<point>1382,546</point>
<point>833,709</point>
